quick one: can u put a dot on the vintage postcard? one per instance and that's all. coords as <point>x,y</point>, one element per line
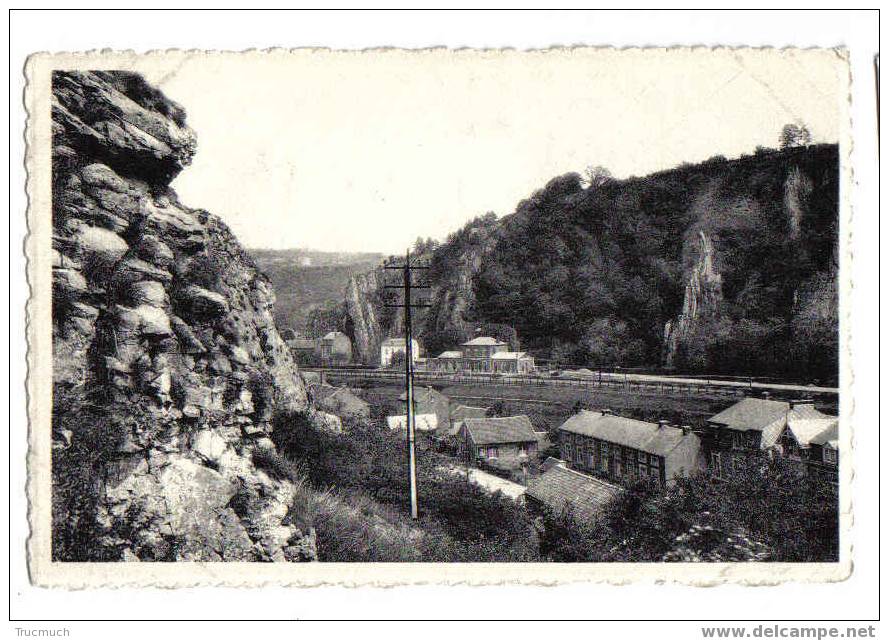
<point>388,317</point>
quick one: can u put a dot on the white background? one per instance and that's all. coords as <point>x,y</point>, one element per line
<point>856,598</point>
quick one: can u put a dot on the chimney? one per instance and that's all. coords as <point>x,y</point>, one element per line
<point>663,423</point>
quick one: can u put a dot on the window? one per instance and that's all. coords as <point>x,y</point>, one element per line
<point>492,452</point>
<point>640,455</point>
<point>831,455</point>
<point>603,457</point>
<point>523,449</point>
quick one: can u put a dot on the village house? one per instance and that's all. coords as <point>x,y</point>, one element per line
<point>340,401</point>
<point>793,429</point>
<point>301,346</point>
<point>509,441</point>
<point>335,348</point>
<point>559,489</point>
<point>390,346</point>
<point>446,362</point>
<point>627,450</point>
<point>461,412</point>
<point>429,401</point>
<point>483,355</point>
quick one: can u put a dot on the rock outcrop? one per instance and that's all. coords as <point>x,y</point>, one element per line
<point>703,295</point>
<point>366,320</point>
<point>162,318</point>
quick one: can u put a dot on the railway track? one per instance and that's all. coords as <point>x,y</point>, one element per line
<point>630,382</point>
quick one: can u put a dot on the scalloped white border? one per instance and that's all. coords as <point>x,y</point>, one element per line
<point>44,572</point>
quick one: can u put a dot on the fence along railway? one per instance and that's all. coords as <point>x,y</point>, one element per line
<point>629,382</point>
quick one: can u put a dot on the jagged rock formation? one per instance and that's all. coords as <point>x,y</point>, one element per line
<point>449,319</point>
<point>163,320</point>
<point>703,295</point>
<point>364,315</point>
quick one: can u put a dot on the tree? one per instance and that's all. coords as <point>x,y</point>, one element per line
<point>596,176</point>
<point>608,342</point>
<point>496,410</point>
<point>397,361</point>
<point>793,135</point>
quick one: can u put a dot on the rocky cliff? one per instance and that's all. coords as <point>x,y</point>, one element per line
<point>703,295</point>
<point>448,321</point>
<point>168,367</point>
<point>725,266</point>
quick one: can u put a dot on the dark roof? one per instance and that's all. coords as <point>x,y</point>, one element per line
<point>645,436</point>
<point>751,414</point>
<point>560,487</point>
<point>500,430</point>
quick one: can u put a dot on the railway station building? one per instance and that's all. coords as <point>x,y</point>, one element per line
<point>483,355</point>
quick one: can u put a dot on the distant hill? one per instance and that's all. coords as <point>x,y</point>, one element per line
<point>306,280</point>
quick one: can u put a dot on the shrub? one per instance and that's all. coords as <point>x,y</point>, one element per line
<point>369,460</point>
<point>77,473</point>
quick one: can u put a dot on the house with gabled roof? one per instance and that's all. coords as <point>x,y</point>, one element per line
<point>461,412</point>
<point>626,450</point>
<point>429,401</point>
<point>560,489</point>
<point>335,348</point>
<point>786,428</point>
<point>340,401</point>
<point>505,439</point>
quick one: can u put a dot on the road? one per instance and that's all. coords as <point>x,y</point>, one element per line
<point>488,481</point>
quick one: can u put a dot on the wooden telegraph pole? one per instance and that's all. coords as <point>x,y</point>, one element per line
<point>407,305</point>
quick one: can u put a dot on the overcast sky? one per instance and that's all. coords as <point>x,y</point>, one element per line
<point>365,152</point>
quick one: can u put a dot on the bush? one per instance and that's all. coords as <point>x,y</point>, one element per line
<point>77,473</point>
<point>369,460</point>
<point>765,510</point>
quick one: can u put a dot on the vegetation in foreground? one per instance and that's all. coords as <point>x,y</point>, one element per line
<point>356,498</point>
<point>766,511</point>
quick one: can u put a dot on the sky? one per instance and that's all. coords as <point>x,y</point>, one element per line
<point>366,151</point>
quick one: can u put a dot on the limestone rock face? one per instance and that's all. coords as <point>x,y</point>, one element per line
<point>703,294</point>
<point>160,313</point>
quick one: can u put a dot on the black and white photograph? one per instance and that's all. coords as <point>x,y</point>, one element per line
<point>564,306</point>
<point>394,316</point>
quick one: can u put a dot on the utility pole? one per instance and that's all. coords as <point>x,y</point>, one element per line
<point>407,305</point>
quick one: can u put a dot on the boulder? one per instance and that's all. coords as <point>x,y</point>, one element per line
<point>209,445</point>
<point>152,250</point>
<point>132,269</point>
<point>100,246</point>
<point>188,341</point>
<point>197,302</point>
<point>147,292</point>
<point>68,284</point>
<point>153,321</point>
